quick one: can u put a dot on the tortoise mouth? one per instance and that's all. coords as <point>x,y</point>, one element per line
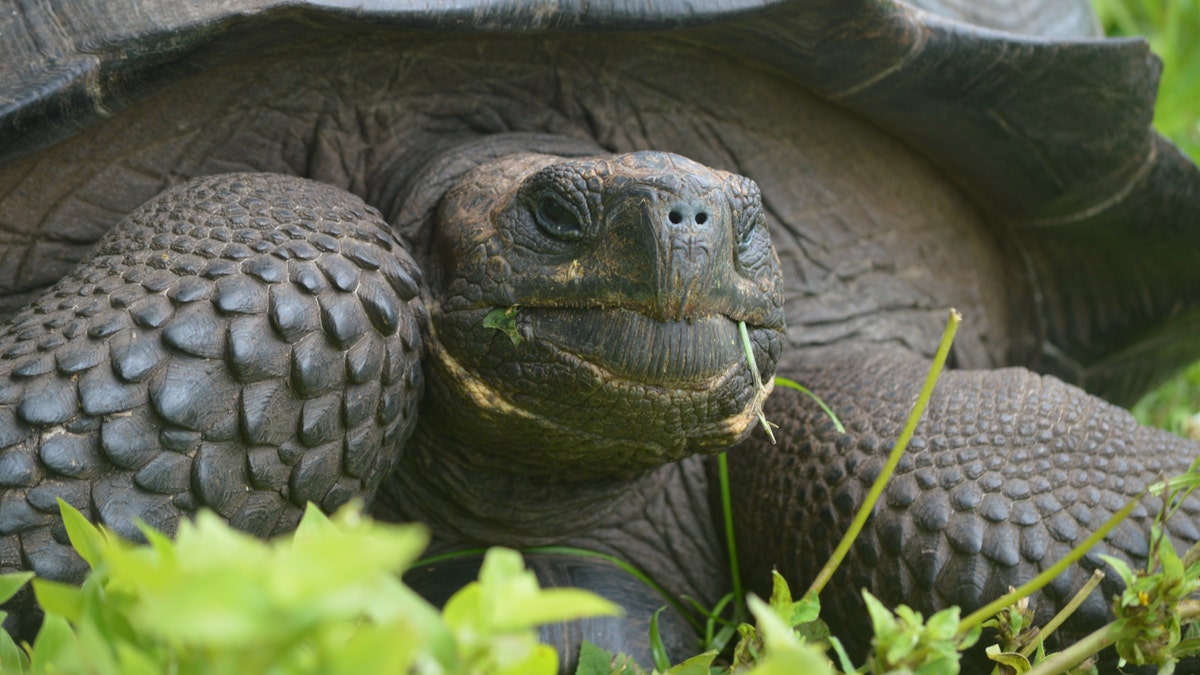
<point>635,347</point>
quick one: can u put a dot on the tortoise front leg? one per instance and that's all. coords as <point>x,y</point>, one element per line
<point>245,343</point>
<point>1007,471</point>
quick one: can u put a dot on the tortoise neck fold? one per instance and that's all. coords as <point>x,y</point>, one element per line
<point>443,483</point>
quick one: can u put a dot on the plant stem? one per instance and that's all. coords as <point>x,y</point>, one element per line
<point>629,569</point>
<point>1189,610</point>
<point>864,512</point>
<point>1073,655</point>
<point>760,392</point>
<point>1077,600</point>
<point>739,595</point>
<point>792,384</point>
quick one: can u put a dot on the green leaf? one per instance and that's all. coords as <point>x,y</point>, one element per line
<point>792,662</point>
<point>785,654</point>
<point>1171,564</point>
<point>87,540</point>
<point>775,633</point>
<point>515,601</point>
<point>882,620</point>
<point>659,651</point>
<point>11,583</point>
<point>1013,660</point>
<point>58,598</point>
<point>593,660</point>
<point>542,660</point>
<point>781,596</point>
<point>12,658</point>
<point>224,611</point>
<point>1119,567</point>
<point>134,661</point>
<point>697,665</point>
<point>843,658</point>
<point>313,524</point>
<point>505,321</point>
<point>54,649</point>
<point>99,650</point>
<point>943,625</point>
<point>375,649</point>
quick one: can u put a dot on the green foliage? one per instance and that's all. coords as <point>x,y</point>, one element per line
<point>491,618</point>
<point>785,652</point>
<point>905,643</point>
<point>1149,627</point>
<point>505,321</point>
<point>1171,27</point>
<point>1174,406</point>
<point>326,600</point>
<point>596,661</point>
<point>771,647</point>
<point>800,618</point>
<point>1014,627</point>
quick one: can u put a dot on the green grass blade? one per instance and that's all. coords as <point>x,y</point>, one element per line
<point>1067,610</point>
<point>735,572</point>
<point>760,392</point>
<point>868,505</point>
<point>791,384</point>
<point>657,649</point>
<point>629,569</point>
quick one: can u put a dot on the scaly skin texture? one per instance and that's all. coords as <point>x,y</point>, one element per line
<point>243,343</point>
<point>873,242</point>
<point>1008,471</point>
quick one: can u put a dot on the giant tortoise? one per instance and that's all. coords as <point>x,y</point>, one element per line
<point>481,264</point>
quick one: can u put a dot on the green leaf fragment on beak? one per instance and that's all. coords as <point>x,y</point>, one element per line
<point>505,321</point>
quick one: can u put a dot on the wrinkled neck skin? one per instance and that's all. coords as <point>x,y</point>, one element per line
<point>443,483</point>
<point>661,522</point>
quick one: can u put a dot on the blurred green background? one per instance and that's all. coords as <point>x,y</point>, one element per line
<point>1173,29</point>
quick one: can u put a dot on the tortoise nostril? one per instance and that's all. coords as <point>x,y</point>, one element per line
<point>675,216</point>
<point>701,218</point>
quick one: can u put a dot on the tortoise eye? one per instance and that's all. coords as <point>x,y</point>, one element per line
<point>751,219</point>
<point>752,246</point>
<point>557,219</point>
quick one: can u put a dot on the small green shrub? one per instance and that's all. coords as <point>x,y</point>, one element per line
<point>326,600</point>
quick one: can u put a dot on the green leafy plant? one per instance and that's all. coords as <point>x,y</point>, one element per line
<point>905,642</point>
<point>776,645</point>
<point>1148,621</point>
<point>326,600</point>
<point>800,618</point>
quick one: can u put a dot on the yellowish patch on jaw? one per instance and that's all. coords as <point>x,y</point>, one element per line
<point>479,393</point>
<point>737,425</point>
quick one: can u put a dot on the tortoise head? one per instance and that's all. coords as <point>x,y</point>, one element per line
<point>584,312</point>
